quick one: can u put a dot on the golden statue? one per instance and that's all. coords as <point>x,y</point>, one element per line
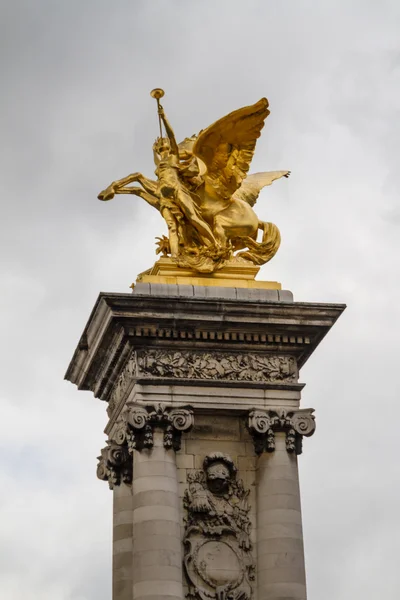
<point>204,194</point>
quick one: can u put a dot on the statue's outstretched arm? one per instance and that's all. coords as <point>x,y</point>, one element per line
<point>169,130</point>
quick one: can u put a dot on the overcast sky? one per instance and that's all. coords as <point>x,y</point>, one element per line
<point>76,114</point>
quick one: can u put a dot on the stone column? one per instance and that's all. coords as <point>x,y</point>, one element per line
<point>122,543</point>
<point>280,553</point>
<point>141,451</point>
<point>157,551</point>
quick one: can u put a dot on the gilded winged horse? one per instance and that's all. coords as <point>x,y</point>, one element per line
<point>204,193</point>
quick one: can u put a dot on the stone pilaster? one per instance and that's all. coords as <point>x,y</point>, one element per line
<point>157,548</point>
<point>278,436</point>
<point>122,542</point>
<point>141,454</point>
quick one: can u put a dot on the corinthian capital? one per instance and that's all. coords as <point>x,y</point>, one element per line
<point>263,424</point>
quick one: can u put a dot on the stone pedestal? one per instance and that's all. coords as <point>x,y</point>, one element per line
<point>205,427</point>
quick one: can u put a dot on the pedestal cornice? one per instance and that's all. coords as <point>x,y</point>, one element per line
<point>201,331</point>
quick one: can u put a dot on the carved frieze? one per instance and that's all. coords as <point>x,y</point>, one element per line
<point>124,380</point>
<point>218,559</point>
<point>262,425</point>
<point>188,364</point>
<point>134,430</point>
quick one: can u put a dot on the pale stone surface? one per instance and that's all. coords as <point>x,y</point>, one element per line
<point>122,543</point>
<point>162,573</point>
<point>199,291</point>
<point>279,531</point>
<point>146,347</point>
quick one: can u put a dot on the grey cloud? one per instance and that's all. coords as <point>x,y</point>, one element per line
<point>76,114</point>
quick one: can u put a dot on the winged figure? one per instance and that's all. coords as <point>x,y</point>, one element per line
<point>205,195</point>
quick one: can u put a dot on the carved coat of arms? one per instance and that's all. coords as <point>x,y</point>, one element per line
<point>218,560</point>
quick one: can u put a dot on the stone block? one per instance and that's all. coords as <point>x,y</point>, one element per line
<point>185,290</point>
<point>279,546</point>
<point>151,558</point>
<point>278,515</point>
<point>145,484</point>
<point>154,469</point>
<point>124,573</point>
<point>141,289</point>
<point>122,504</point>
<point>247,463</point>
<point>280,501</point>
<point>157,542</point>
<point>249,295</point>
<point>182,487</point>
<point>121,532</point>
<point>282,560</point>
<point>285,296</point>
<point>122,546</point>
<point>162,289</point>
<point>214,427</point>
<point>184,461</point>
<point>160,497</point>
<point>157,587</point>
<point>279,530</point>
<point>122,589</point>
<point>122,517</point>
<point>199,291</point>
<point>122,560</point>
<point>155,527</point>
<point>283,591</point>
<point>281,575</point>
<point>277,471</point>
<point>279,486</point>
<point>204,447</point>
<point>155,512</point>
<point>161,573</point>
<point>225,293</point>
<point>182,477</point>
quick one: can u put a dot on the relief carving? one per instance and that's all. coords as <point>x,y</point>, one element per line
<point>115,464</point>
<point>124,379</point>
<point>218,560</point>
<point>262,425</point>
<point>187,364</point>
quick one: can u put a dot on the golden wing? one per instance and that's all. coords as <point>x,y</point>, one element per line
<point>253,184</point>
<point>227,147</point>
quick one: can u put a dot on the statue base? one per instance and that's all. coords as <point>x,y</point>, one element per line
<point>236,273</point>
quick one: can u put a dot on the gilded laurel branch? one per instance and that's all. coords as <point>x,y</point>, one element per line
<point>204,193</point>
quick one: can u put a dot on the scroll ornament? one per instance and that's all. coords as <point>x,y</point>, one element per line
<point>263,424</point>
<point>134,431</point>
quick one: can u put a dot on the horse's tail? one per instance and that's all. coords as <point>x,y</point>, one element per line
<point>261,252</point>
